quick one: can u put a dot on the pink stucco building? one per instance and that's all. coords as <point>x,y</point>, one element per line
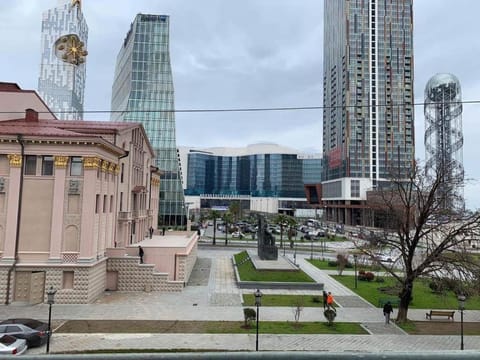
<point>76,200</point>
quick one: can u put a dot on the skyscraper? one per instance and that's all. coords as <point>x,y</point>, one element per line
<point>62,69</point>
<point>142,91</point>
<point>368,119</point>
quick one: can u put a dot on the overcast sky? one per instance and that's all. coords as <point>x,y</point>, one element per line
<point>251,54</point>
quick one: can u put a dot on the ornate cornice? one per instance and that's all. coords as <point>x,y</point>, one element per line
<point>15,160</point>
<point>91,162</point>
<point>105,165</point>
<point>155,181</point>
<point>111,168</point>
<point>61,161</point>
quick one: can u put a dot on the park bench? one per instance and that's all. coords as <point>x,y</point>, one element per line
<point>448,314</point>
<point>393,301</point>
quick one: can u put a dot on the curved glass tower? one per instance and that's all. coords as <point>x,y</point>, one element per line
<point>142,92</point>
<point>61,84</point>
<point>444,137</point>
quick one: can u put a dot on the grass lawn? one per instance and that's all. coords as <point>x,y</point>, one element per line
<point>248,272</point>
<point>423,297</point>
<point>285,300</point>
<point>206,327</point>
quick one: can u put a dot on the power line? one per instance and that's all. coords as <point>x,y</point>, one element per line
<point>295,108</point>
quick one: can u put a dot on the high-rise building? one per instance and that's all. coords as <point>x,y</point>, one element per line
<point>368,119</point>
<point>444,138</point>
<point>142,92</point>
<point>61,83</point>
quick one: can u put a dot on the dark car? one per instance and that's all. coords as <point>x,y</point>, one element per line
<point>34,331</point>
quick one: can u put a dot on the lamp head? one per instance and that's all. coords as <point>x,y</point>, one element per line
<point>258,297</point>
<point>51,295</point>
<point>461,301</point>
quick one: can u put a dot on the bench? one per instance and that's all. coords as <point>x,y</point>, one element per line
<point>393,301</point>
<point>448,314</point>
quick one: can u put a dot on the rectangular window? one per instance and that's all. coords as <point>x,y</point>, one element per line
<point>121,201</point>
<point>47,165</point>
<point>104,203</point>
<point>76,166</point>
<point>111,203</point>
<point>31,165</point>
<point>97,203</point>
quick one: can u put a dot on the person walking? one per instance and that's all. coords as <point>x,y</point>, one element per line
<point>325,297</point>
<point>330,301</point>
<point>387,310</point>
<point>140,253</point>
<point>150,231</point>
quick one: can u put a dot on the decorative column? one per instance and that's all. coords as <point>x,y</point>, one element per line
<point>87,236</point>
<point>15,161</point>
<point>57,230</point>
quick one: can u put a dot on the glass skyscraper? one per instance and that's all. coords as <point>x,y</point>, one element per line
<point>61,84</point>
<point>143,92</point>
<point>368,119</point>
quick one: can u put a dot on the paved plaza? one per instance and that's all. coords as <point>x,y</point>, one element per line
<point>212,294</point>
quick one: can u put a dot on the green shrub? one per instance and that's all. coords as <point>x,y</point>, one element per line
<point>249,315</point>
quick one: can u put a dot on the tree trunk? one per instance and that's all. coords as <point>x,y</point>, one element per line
<point>281,236</point>
<point>405,297</point>
<point>214,230</point>
<point>226,233</point>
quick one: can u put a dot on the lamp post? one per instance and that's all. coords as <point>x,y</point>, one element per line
<point>258,301</point>
<point>295,255</point>
<point>355,268</point>
<point>50,300</point>
<point>461,306</point>
<point>311,249</point>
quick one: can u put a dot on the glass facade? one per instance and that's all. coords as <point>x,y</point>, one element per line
<point>143,92</point>
<point>262,175</point>
<point>368,120</point>
<point>61,85</point>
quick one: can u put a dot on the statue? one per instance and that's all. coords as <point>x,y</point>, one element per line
<point>267,250</point>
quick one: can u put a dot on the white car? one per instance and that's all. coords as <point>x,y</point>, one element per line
<point>10,345</point>
<point>383,257</point>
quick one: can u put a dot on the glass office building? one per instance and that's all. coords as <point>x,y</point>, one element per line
<point>255,174</point>
<point>368,118</point>
<point>143,92</point>
<point>61,84</point>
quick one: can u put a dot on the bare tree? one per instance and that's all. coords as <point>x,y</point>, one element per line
<point>299,304</point>
<point>429,239</point>
<point>342,261</point>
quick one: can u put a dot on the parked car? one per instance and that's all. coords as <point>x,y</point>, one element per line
<point>383,257</point>
<point>34,331</point>
<point>237,234</point>
<point>10,345</point>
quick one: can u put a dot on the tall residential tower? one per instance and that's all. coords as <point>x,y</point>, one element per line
<point>143,92</point>
<point>368,120</point>
<point>62,69</point>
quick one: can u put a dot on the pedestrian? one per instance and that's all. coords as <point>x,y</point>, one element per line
<point>387,310</point>
<point>330,301</point>
<point>163,230</point>
<point>140,253</point>
<point>325,296</point>
<point>150,231</point>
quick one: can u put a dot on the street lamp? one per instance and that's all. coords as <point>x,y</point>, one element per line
<point>311,249</point>
<point>258,301</point>
<point>461,306</point>
<point>355,267</point>
<point>50,300</point>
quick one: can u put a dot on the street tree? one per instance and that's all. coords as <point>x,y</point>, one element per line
<point>285,222</point>
<point>428,238</point>
<point>235,209</point>
<point>214,215</point>
<point>227,220</point>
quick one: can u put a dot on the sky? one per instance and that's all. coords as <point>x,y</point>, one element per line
<point>251,54</point>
